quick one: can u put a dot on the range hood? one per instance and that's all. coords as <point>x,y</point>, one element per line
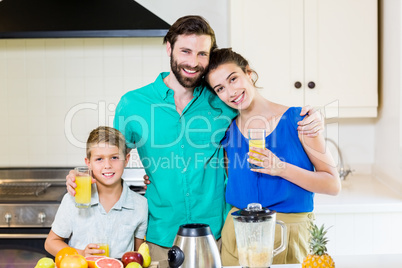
<point>78,18</point>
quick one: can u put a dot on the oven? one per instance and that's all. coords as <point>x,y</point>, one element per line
<point>29,199</point>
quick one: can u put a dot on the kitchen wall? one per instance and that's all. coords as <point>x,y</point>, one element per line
<point>54,91</point>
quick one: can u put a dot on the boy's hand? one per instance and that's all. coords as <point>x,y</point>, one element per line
<point>313,124</point>
<point>70,182</point>
<point>91,249</point>
<point>146,181</point>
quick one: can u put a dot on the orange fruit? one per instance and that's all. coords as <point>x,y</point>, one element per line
<point>108,263</point>
<point>92,259</point>
<point>63,253</point>
<point>74,261</point>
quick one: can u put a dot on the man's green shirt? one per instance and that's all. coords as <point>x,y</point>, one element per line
<point>181,154</point>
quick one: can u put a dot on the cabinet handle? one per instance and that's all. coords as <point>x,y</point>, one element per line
<point>311,84</point>
<point>298,84</point>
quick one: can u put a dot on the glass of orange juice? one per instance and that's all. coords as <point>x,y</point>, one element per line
<point>101,241</point>
<point>256,138</point>
<point>83,191</point>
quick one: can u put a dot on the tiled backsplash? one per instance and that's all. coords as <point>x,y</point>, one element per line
<point>53,92</point>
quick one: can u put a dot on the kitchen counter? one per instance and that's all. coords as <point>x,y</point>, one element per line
<point>273,266</point>
<point>363,220</point>
<point>357,261</point>
<point>360,193</point>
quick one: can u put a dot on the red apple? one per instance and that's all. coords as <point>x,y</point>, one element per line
<point>132,256</point>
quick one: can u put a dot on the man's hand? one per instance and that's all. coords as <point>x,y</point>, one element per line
<point>313,124</point>
<point>146,181</point>
<point>70,182</point>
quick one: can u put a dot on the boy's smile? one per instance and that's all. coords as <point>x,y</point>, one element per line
<point>108,175</point>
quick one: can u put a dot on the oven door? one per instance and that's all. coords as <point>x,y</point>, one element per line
<point>22,247</point>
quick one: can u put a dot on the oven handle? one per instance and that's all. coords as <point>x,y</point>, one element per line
<point>23,236</point>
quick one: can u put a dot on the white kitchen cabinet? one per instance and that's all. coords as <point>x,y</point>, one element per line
<point>331,43</point>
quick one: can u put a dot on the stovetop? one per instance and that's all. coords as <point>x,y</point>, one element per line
<point>52,194</point>
<point>32,185</point>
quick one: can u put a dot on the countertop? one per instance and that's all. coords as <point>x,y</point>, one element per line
<point>357,261</point>
<point>360,193</point>
<point>273,266</point>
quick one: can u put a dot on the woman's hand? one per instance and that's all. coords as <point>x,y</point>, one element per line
<point>313,124</point>
<point>269,162</point>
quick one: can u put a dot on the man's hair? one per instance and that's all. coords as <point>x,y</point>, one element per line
<point>109,135</point>
<point>189,25</point>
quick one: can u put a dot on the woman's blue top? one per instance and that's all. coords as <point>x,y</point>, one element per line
<point>245,186</point>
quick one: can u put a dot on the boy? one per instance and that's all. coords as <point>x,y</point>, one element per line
<point>115,212</point>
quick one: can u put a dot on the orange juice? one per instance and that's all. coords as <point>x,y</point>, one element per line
<point>257,144</point>
<point>83,191</point>
<point>105,247</point>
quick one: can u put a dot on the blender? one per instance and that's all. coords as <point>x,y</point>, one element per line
<point>194,247</point>
<point>255,235</point>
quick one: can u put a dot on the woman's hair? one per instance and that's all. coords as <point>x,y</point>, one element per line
<point>189,25</point>
<point>109,135</point>
<point>227,55</point>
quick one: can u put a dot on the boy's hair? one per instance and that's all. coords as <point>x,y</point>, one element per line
<point>109,135</point>
<point>188,25</point>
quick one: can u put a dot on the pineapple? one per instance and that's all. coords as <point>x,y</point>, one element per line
<point>318,257</point>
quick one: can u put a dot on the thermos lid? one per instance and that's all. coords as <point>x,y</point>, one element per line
<point>253,212</point>
<point>194,230</point>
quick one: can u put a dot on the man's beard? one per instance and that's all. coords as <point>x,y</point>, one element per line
<point>186,82</point>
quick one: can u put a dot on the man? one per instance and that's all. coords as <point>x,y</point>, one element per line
<point>177,124</point>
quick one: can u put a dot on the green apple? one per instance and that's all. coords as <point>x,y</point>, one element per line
<point>45,263</point>
<point>133,265</point>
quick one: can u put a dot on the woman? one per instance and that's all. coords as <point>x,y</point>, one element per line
<point>291,170</point>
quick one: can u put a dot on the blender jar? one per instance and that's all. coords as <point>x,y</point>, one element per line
<point>255,234</point>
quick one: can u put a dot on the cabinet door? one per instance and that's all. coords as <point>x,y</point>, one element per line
<point>340,53</point>
<point>332,43</point>
<point>269,34</point>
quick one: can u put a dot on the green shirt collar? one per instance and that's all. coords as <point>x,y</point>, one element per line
<point>164,91</point>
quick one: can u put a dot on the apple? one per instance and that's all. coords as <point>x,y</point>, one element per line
<point>45,263</point>
<point>133,265</point>
<point>132,256</point>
